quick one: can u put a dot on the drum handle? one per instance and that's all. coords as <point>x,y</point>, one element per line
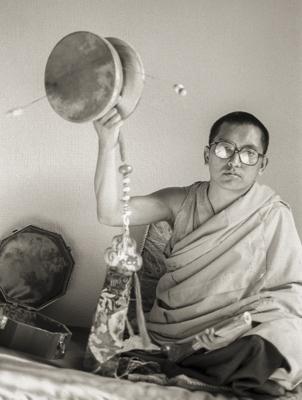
<point>122,146</point>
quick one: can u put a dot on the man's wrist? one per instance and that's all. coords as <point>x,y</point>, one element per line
<point>107,147</point>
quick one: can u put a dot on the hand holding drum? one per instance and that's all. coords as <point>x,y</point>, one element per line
<point>108,129</point>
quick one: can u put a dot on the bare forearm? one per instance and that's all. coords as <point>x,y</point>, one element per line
<point>157,206</point>
<point>106,189</point>
<point>105,185</point>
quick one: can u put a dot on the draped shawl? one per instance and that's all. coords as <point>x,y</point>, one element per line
<point>248,257</point>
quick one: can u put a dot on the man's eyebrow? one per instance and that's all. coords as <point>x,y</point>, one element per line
<point>252,146</point>
<point>249,145</point>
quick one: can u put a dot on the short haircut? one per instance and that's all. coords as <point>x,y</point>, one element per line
<point>240,118</point>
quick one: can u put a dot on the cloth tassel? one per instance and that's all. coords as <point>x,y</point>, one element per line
<point>141,322</point>
<point>129,328</point>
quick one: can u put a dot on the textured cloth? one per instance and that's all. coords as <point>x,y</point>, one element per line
<point>243,366</point>
<point>245,258</point>
<point>106,336</point>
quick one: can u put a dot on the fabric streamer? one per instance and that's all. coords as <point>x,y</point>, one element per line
<point>106,339</point>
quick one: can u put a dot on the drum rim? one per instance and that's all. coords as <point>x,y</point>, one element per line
<point>133,80</point>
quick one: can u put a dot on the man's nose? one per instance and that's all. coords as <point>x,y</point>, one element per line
<point>235,159</point>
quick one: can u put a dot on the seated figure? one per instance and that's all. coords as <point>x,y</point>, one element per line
<point>233,249</point>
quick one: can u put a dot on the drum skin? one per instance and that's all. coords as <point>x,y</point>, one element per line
<point>86,76</point>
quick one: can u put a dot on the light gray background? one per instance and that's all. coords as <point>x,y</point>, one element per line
<point>229,54</point>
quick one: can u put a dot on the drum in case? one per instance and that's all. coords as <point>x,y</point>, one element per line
<point>35,268</point>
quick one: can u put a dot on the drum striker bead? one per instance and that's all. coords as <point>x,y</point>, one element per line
<point>125,169</point>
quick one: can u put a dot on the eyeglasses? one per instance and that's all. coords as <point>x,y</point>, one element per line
<point>247,155</point>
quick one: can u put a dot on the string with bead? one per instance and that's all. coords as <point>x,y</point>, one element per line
<point>18,111</point>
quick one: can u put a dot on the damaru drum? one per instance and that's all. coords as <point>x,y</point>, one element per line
<point>87,75</point>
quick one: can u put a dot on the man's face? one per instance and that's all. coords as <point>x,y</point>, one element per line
<point>231,173</point>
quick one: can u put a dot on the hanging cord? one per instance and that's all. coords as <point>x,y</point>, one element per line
<point>125,170</point>
<point>141,322</point>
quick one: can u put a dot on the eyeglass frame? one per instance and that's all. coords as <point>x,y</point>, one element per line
<point>236,150</point>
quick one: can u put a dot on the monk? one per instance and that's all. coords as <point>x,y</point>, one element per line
<point>234,249</point>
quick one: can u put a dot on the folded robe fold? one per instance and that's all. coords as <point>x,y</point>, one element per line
<point>248,257</point>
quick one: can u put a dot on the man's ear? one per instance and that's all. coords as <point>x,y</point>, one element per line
<point>263,165</point>
<point>206,154</point>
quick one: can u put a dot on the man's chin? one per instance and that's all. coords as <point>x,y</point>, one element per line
<point>232,183</point>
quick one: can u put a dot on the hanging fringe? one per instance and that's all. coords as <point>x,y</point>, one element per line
<point>129,327</point>
<point>141,322</point>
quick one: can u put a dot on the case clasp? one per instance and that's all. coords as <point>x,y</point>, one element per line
<point>3,321</point>
<point>61,346</point>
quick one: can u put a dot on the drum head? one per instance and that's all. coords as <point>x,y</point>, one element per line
<point>83,77</point>
<point>87,75</point>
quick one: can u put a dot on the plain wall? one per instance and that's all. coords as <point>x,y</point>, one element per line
<point>229,54</point>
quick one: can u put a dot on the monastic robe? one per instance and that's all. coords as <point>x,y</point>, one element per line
<point>248,257</point>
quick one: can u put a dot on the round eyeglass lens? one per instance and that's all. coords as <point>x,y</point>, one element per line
<point>224,150</point>
<point>248,156</point>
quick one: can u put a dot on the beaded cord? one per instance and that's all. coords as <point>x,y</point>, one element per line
<point>123,254</point>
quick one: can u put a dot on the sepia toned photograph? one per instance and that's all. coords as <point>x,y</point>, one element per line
<point>150,202</point>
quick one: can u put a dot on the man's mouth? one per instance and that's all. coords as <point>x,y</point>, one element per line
<point>232,173</point>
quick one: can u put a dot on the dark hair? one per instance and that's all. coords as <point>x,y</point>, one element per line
<point>240,118</point>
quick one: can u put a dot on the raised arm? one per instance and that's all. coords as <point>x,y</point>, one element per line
<point>158,206</point>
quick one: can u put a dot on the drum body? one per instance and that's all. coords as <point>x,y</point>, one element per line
<point>86,76</point>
